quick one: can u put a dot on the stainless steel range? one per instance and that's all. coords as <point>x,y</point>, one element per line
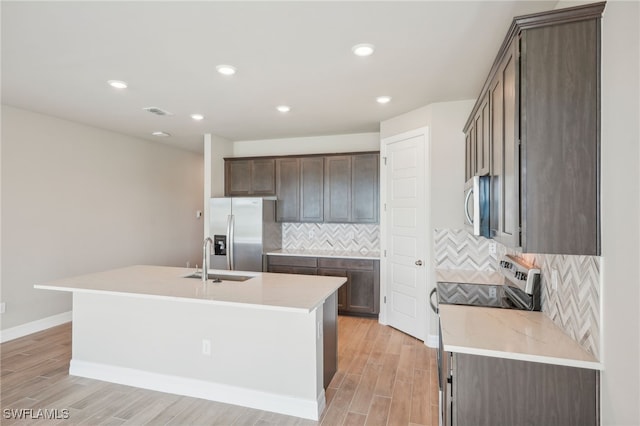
<point>515,286</point>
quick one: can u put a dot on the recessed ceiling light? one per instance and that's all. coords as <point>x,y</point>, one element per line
<point>226,69</point>
<point>118,84</point>
<point>383,99</point>
<point>283,108</point>
<point>161,134</point>
<point>363,49</point>
<point>197,117</point>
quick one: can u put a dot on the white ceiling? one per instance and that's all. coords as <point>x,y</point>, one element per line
<point>57,57</point>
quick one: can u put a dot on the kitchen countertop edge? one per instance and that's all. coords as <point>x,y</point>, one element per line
<point>269,291</point>
<point>326,253</point>
<point>567,362</point>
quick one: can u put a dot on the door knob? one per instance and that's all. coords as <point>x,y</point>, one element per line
<point>418,262</point>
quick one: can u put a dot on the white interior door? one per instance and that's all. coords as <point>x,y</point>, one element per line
<point>404,229</point>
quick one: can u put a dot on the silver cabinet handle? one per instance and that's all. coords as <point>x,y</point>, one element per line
<point>418,262</point>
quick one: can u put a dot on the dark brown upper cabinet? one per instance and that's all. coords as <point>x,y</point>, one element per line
<point>299,189</point>
<point>478,144</point>
<point>543,130</point>
<point>337,188</point>
<point>249,177</point>
<point>351,191</point>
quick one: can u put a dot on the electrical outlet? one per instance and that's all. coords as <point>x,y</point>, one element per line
<point>3,307</point>
<point>554,279</point>
<point>492,248</point>
<point>492,292</point>
<point>206,347</point>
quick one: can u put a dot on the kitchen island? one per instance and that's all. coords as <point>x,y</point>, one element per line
<point>263,343</point>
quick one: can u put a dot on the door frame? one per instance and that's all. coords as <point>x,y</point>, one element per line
<point>427,242</point>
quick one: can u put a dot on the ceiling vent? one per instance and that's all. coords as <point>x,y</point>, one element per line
<point>157,111</point>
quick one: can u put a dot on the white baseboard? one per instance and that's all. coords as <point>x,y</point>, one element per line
<point>299,407</point>
<point>34,326</point>
<point>432,341</point>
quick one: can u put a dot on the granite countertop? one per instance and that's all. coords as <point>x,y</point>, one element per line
<point>512,334</point>
<point>263,290</point>
<point>374,255</point>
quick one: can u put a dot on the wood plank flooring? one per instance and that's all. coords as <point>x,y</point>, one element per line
<point>384,378</point>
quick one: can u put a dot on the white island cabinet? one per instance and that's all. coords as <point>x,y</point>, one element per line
<point>268,342</point>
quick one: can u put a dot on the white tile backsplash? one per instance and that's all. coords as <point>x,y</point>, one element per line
<point>574,306</point>
<point>362,238</point>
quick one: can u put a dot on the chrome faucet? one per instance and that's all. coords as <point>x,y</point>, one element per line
<point>205,259</point>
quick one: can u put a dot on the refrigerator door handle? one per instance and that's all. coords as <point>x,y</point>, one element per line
<point>230,247</point>
<point>229,240</point>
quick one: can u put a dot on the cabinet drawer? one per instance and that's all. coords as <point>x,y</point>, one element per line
<point>338,263</point>
<point>300,270</point>
<point>310,262</point>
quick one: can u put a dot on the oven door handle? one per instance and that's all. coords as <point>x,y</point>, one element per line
<point>434,308</point>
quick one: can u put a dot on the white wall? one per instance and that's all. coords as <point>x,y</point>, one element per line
<point>220,148</point>
<point>445,121</point>
<point>447,162</point>
<point>620,139</point>
<point>308,145</point>
<point>77,199</point>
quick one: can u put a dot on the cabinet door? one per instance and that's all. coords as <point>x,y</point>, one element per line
<point>510,232</point>
<point>483,143</point>
<point>249,177</point>
<point>469,161</point>
<point>560,139</point>
<point>484,393</point>
<point>361,292</point>
<point>237,177</point>
<point>504,216</point>
<point>337,189</point>
<point>364,288</point>
<point>312,189</point>
<point>496,186</point>
<point>343,290</point>
<point>364,188</point>
<point>288,189</point>
<point>263,180</point>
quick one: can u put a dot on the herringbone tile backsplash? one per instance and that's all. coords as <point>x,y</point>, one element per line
<point>574,306</point>
<point>331,236</point>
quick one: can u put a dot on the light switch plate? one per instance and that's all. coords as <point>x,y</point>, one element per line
<point>3,307</point>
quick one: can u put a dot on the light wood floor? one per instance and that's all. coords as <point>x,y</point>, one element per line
<point>384,378</point>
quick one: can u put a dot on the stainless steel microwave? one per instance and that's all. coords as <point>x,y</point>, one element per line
<point>476,205</point>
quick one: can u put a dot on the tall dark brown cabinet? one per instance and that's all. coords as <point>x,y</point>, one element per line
<point>543,102</point>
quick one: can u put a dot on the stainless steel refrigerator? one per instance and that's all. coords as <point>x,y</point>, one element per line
<point>243,230</point>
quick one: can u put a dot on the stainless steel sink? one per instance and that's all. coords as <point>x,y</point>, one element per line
<point>221,277</point>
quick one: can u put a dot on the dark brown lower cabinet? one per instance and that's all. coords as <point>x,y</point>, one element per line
<point>360,295</point>
<point>480,390</point>
<point>293,265</point>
